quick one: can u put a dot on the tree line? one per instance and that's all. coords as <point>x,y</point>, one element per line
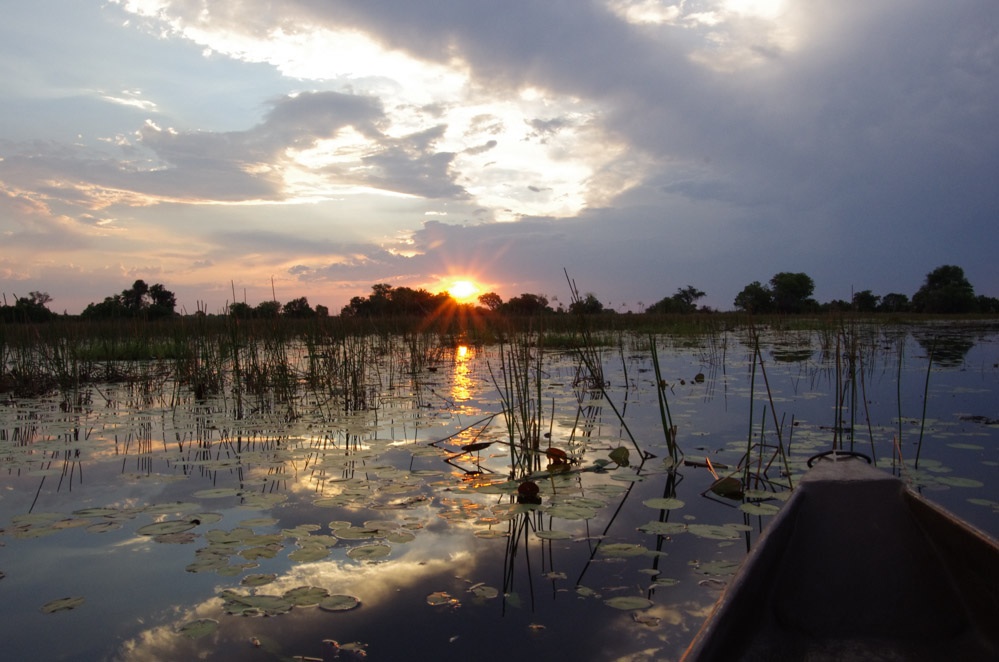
<point>945,290</point>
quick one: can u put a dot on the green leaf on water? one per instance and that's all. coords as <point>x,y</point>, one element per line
<point>339,603</point>
<point>664,503</point>
<point>169,526</point>
<point>759,508</point>
<point>622,549</point>
<point>484,592</point>
<point>957,481</point>
<point>199,628</point>
<point>62,604</point>
<point>718,567</point>
<point>441,599</point>
<point>713,532</point>
<point>626,603</point>
<point>258,579</point>
<point>306,596</point>
<point>571,511</point>
<point>216,493</point>
<point>620,456</point>
<point>369,552</point>
<point>309,552</point>
<point>554,534</point>
<point>663,528</point>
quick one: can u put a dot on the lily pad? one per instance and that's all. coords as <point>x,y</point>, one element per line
<point>663,528</point>
<point>339,603</point>
<point>441,598</point>
<point>310,552</point>
<point>258,579</point>
<point>664,503</point>
<point>554,534</point>
<point>199,628</point>
<point>626,603</point>
<point>622,549</point>
<point>484,592</point>
<point>957,481</point>
<point>369,552</point>
<point>62,604</point>
<point>759,508</point>
<point>169,526</point>
<point>713,532</point>
<point>718,567</point>
<point>306,596</point>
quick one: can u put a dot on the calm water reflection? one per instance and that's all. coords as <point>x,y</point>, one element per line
<point>444,560</point>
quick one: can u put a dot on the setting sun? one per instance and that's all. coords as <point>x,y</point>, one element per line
<point>463,290</point>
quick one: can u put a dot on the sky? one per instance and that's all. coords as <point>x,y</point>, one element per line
<point>256,149</point>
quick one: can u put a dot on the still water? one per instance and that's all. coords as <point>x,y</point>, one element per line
<point>143,523</point>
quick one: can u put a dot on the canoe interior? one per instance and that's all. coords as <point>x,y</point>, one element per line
<point>858,567</point>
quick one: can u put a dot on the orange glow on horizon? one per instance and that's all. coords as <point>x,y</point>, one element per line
<point>463,291</point>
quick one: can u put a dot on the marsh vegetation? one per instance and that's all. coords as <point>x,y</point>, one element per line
<point>321,488</point>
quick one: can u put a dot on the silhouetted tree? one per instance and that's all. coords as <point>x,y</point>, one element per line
<point>588,305</point>
<point>946,290</point>
<point>402,301</point>
<point>989,305</point>
<point>240,310</point>
<point>140,300</point>
<point>31,308</point>
<point>755,298</point>
<point>267,309</point>
<point>491,300</point>
<point>894,303</point>
<point>298,308</point>
<point>527,304</point>
<point>684,301</point>
<point>865,301</point>
<point>792,292</point>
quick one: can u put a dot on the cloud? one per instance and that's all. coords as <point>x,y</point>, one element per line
<point>710,143</point>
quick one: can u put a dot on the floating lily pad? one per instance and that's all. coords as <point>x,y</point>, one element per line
<point>176,507</point>
<point>620,456</point>
<point>216,493</point>
<point>441,598</point>
<point>400,536</point>
<point>554,534</point>
<point>759,508</point>
<point>255,605</point>
<point>483,591</point>
<point>490,534</point>
<point>199,628</point>
<point>258,579</point>
<point>626,603</point>
<point>62,604</point>
<point>664,503</point>
<point>713,531</point>
<point>663,528</point>
<point>306,596</point>
<point>718,567</point>
<point>622,549</point>
<point>169,526</point>
<point>339,603</point>
<point>957,481</point>
<point>309,553</point>
<point>369,552</point>
<point>571,511</point>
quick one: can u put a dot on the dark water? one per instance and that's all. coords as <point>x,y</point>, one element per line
<point>443,560</point>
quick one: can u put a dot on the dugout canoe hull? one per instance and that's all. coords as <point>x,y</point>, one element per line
<point>858,567</point>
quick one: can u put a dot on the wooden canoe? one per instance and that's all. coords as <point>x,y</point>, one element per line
<point>857,567</point>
